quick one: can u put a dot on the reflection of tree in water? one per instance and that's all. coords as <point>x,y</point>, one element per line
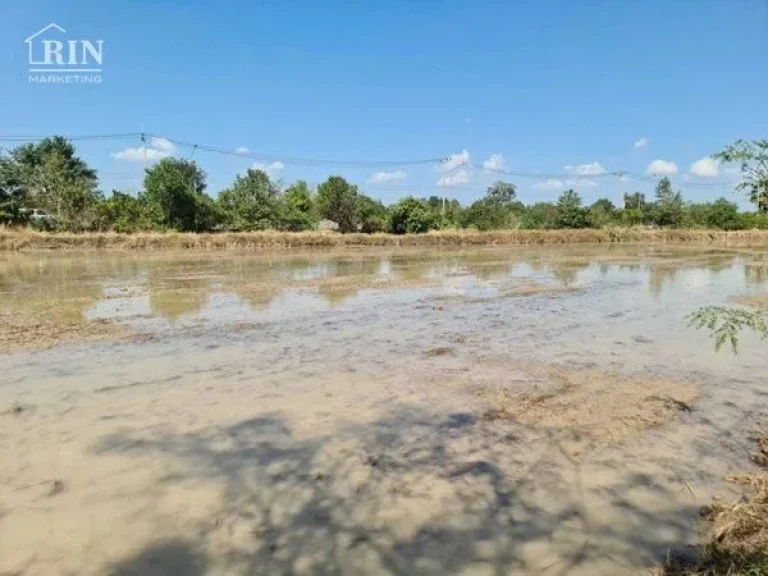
<point>566,272</point>
<point>173,295</point>
<point>171,304</point>
<point>756,272</point>
<point>61,290</point>
<point>663,274</point>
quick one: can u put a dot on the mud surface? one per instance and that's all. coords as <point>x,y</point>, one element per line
<point>501,411</point>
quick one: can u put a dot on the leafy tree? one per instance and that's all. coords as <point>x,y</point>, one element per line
<point>448,211</point>
<point>251,203</point>
<point>501,193</point>
<point>570,213</point>
<point>723,214</point>
<point>299,197</point>
<point>411,216</point>
<point>373,214</point>
<point>669,207</point>
<point>298,208</point>
<point>635,201</point>
<point>174,191</point>
<point>601,213</point>
<point>48,175</point>
<point>31,159</point>
<point>122,213</point>
<point>752,156</point>
<point>337,201</point>
<point>494,210</point>
<point>13,197</point>
<point>542,215</point>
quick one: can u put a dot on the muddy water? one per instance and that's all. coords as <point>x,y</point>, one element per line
<point>322,413</point>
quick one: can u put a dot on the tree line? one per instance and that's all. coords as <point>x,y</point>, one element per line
<point>50,175</point>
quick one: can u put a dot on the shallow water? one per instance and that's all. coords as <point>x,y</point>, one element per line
<point>316,412</point>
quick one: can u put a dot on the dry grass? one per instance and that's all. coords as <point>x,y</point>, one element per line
<point>738,530</point>
<point>592,408</point>
<point>38,331</point>
<point>24,239</point>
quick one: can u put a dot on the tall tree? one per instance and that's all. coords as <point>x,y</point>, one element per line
<point>373,214</point>
<point>669,208</point>
<point>49,175</point>
<point>298,208</point>
<point>501,193</point>
<point>251,203</point>
<point>337,201</point>
<point>412,216</point>
<point>752,156</point>
<point>570,213</point>
<point>174,190</point>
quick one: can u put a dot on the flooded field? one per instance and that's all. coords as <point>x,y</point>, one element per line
<point>497,411</point>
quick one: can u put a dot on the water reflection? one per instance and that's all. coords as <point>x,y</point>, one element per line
<point>177,286</point>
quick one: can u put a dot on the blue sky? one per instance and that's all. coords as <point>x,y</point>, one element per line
<point>565,88</point>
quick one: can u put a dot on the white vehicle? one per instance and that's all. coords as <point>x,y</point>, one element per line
<point>37,215</point>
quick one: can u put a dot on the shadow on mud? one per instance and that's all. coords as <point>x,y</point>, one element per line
<point>407,494</point>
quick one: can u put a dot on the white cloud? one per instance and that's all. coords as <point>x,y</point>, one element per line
<point>705,168</point>
<point>162,144</point>
<point>241,150</point>
<point>495,162</point>
<point>158,148</point>
<point>593,169</point>
<point>661,167</point>
<point>454,161</point>
<point>642,143</point>
<point>551,184</point>
<point>268,168</point>
<point>379,177</point>
<point>460,177</point>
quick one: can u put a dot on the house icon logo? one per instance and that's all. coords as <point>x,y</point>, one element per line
<point>55,58</point>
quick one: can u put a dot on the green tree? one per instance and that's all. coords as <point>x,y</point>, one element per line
<point>122,213</point>
<point>251,203</point>
<point>752,156</point>
<point>298,208</point>
<point>501,194</point>
<point>635,201</point>
<point>373,214</point>
<point>49,175</point>
<point>539,216</point>
<point>669,208</point>
<point>723,214</point>
<point>337,201</point>
<point>412,216</point>
<point>13,197</point>
<point>174,191</point>
<point>494,210</point>
<point>570,213</point>
<point>601,213</point>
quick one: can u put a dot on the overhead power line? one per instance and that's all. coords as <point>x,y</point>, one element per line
<point>299,161</point>
<point>544,176</point>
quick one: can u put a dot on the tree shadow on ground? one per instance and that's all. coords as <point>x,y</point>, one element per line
<point>411,493</point>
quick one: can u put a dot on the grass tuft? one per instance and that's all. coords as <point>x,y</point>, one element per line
<point>738,541</point>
